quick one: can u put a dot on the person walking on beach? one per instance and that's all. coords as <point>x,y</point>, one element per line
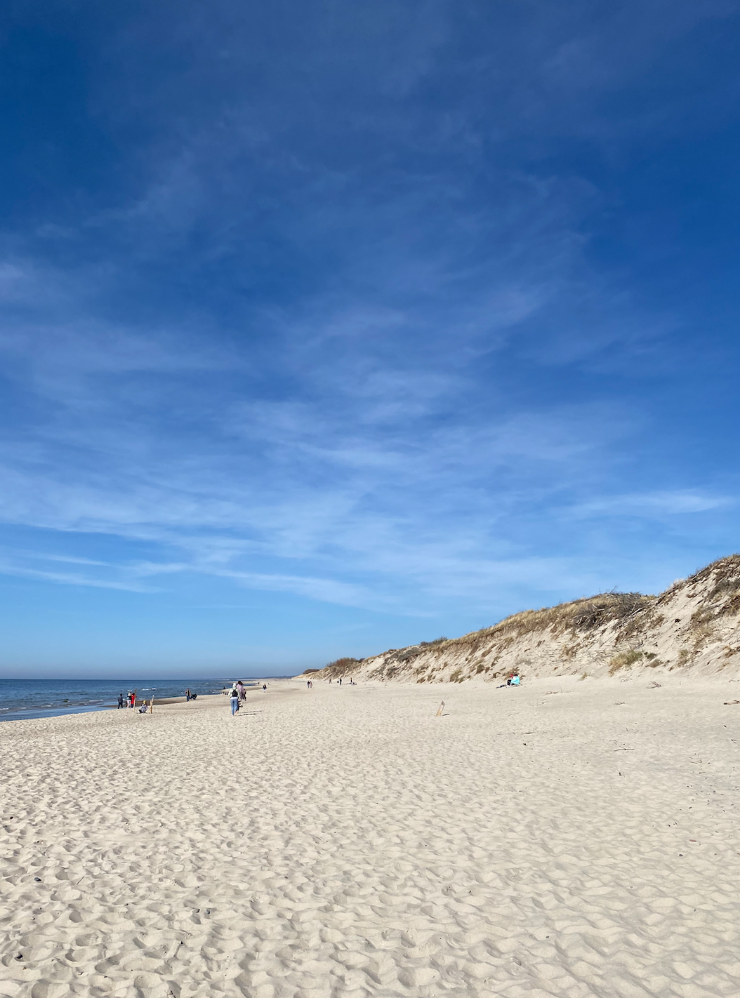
<point>234,698</point>
<point>242,691</point>
<point>187,693</point>
<point>120,700</point>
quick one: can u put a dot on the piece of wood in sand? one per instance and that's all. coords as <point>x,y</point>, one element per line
<point>440,709</point>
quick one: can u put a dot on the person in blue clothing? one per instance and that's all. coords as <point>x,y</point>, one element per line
<point>234,698</point>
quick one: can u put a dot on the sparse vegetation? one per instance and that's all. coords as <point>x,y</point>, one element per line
<point>702,636</point>
<point>724,596</point>
<point>720,570</point>
<point>624,660</point>
<point>553,638</point>
<point>579,616</point>
<point>405,654</point>
<point>341,667</point>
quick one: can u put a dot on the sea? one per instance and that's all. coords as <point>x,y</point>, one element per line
<point>27,698</point>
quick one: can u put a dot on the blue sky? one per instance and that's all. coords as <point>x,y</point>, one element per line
<point>331,327</point>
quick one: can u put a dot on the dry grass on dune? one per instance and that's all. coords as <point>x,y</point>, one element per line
<point>692,624</point>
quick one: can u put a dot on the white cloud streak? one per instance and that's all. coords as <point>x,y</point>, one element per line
<point>327,342</point>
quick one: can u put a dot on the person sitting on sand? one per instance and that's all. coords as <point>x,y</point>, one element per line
<point>513,680</point>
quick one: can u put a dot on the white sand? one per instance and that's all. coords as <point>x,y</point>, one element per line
<point>346,842</point>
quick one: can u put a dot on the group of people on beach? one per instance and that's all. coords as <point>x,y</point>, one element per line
<point>309,683</point>
<point>130,700</point>
<point>238,693</point>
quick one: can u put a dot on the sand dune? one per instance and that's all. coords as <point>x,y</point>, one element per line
<point>567,839</point>
<point>693,627</point>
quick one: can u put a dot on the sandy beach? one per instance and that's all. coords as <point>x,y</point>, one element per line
<point>567,838</point>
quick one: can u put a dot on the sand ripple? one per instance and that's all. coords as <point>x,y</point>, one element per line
<point>348,843</point>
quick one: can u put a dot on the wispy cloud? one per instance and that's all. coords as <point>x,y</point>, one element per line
<point>357,316</point>
<point>16,567</point>
<point>655,504</point>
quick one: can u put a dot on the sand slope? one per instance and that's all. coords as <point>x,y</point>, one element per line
<point>694,627</point>
<point>347,842</point>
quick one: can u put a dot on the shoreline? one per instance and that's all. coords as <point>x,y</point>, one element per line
<point>298,682</point>
<point>639,681</point>
<point>21,713</point>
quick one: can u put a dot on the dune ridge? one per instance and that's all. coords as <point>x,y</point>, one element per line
<point>694,626</point>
